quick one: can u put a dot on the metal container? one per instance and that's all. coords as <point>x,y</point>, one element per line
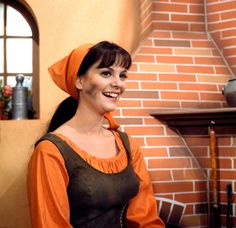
<point>229,91</point>
<point>19,99</point>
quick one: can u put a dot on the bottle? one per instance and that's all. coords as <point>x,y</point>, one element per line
<point>19,99</point>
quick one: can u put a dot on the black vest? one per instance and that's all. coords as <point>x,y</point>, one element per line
<point>96,199</point>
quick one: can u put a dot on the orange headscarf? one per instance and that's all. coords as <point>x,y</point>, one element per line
<point>64,74</point>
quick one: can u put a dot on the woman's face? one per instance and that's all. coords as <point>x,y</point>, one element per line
<point>101,88</point>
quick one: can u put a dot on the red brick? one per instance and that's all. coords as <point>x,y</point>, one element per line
<point>143,130</point>
<point>155,50</point>
<point>151,121</point>
<point>223,25</point>
<point>139,141</point>
<point>189,35</point>
<point>132,85</point>
<point>187,17</point>
<point>147,42</point>
<point>224,141</point>
<point>167,141</point>
<point>192,197</point>
<point>155,152</point>
<point>138,94</point>
<point>221,6</point>
<point>160,175</point>
<point>209,60</point>
<point>197,27</point>
<point>228,15</point>
<point>198,9</point>
<point>204,162</point>
<point>229,33</point>
<point>179,95</point>
<point>170,26</point>
<point>161,34</point>
<point>224,163</point>
<point>142,76</point>
<point>166,7</point>
<point>167,163</point>
<point>226,151</point>
<point>174,59</point>
<point>196,141</point>
<point>197,87</point>
<point>211,96</point>
<point>200,104</point>
<point>202,44</point>
<point>173,187</point>
<point>129,103</point>
<point>158,85</point>
<point>144,58</point>
<point>136,112</point>
<point>226,175</point>
<point>201,185</point>
<point>213,17</point>
<point>195,221</point>
<point>195,69</point>
<point>188,174</point>
<point>200,151</point>
<point>160,16</point>
<point>189,209</point>
<point>177,77</point>
<point>133,67</point>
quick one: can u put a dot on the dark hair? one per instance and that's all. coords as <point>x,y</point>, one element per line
<point>65,111</point>
<point>108,54</point>
<point>105,52</point>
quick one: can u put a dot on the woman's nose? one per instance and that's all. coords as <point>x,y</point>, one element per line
<point>116,81</point>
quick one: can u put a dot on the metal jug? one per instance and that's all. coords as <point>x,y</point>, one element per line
<point>19,99</point>
<point>229,91</point>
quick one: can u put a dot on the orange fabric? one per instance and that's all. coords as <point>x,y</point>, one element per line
<point>48,180</point>
<point>64,72</point>
<point>112,123</point>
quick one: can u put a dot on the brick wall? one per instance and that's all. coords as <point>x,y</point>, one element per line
<point>222,27</point>
<point>178,65</point>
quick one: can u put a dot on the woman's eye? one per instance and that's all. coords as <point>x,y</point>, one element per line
<point>106,74</point>
<point>123,76</point>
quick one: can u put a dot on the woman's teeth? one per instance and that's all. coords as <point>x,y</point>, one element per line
<point>108,94</point>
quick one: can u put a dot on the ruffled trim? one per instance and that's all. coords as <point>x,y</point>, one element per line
<point>106,165</point>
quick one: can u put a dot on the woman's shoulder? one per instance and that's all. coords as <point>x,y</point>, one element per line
<point>45,147</point>
<point>133,144</point>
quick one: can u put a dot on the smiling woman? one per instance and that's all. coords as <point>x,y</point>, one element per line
<point>82,174</point>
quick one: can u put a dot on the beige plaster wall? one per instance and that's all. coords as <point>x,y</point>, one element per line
<point>63,25</point>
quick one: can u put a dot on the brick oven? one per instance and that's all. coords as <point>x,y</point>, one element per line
<point>187,55</point>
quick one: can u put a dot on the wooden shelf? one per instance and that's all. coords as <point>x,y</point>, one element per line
<point>197,121</point>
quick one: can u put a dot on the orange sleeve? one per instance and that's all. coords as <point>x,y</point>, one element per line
<point>142,209</point>
<point>47,184</point>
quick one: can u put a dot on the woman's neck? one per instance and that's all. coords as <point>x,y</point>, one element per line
<point>87,123</point>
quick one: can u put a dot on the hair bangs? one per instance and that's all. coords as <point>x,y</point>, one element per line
<point>111,57</point>
<point>106,54</point>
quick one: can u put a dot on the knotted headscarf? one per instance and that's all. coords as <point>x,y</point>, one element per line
<point>64,74</point>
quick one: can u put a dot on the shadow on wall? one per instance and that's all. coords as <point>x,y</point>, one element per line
<point>12,198</point>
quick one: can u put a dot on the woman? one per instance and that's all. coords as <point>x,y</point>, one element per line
<point>84,174</point>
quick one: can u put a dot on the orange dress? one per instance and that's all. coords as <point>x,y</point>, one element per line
<point>48,180</point>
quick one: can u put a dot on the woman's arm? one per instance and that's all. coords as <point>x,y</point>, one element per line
<point>47,184</point>
<point>142,209</point>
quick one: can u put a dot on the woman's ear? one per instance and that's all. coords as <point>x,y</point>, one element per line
<point>78,83</point>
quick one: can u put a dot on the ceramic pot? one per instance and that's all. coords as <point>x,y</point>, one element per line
<point>229,91</point>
